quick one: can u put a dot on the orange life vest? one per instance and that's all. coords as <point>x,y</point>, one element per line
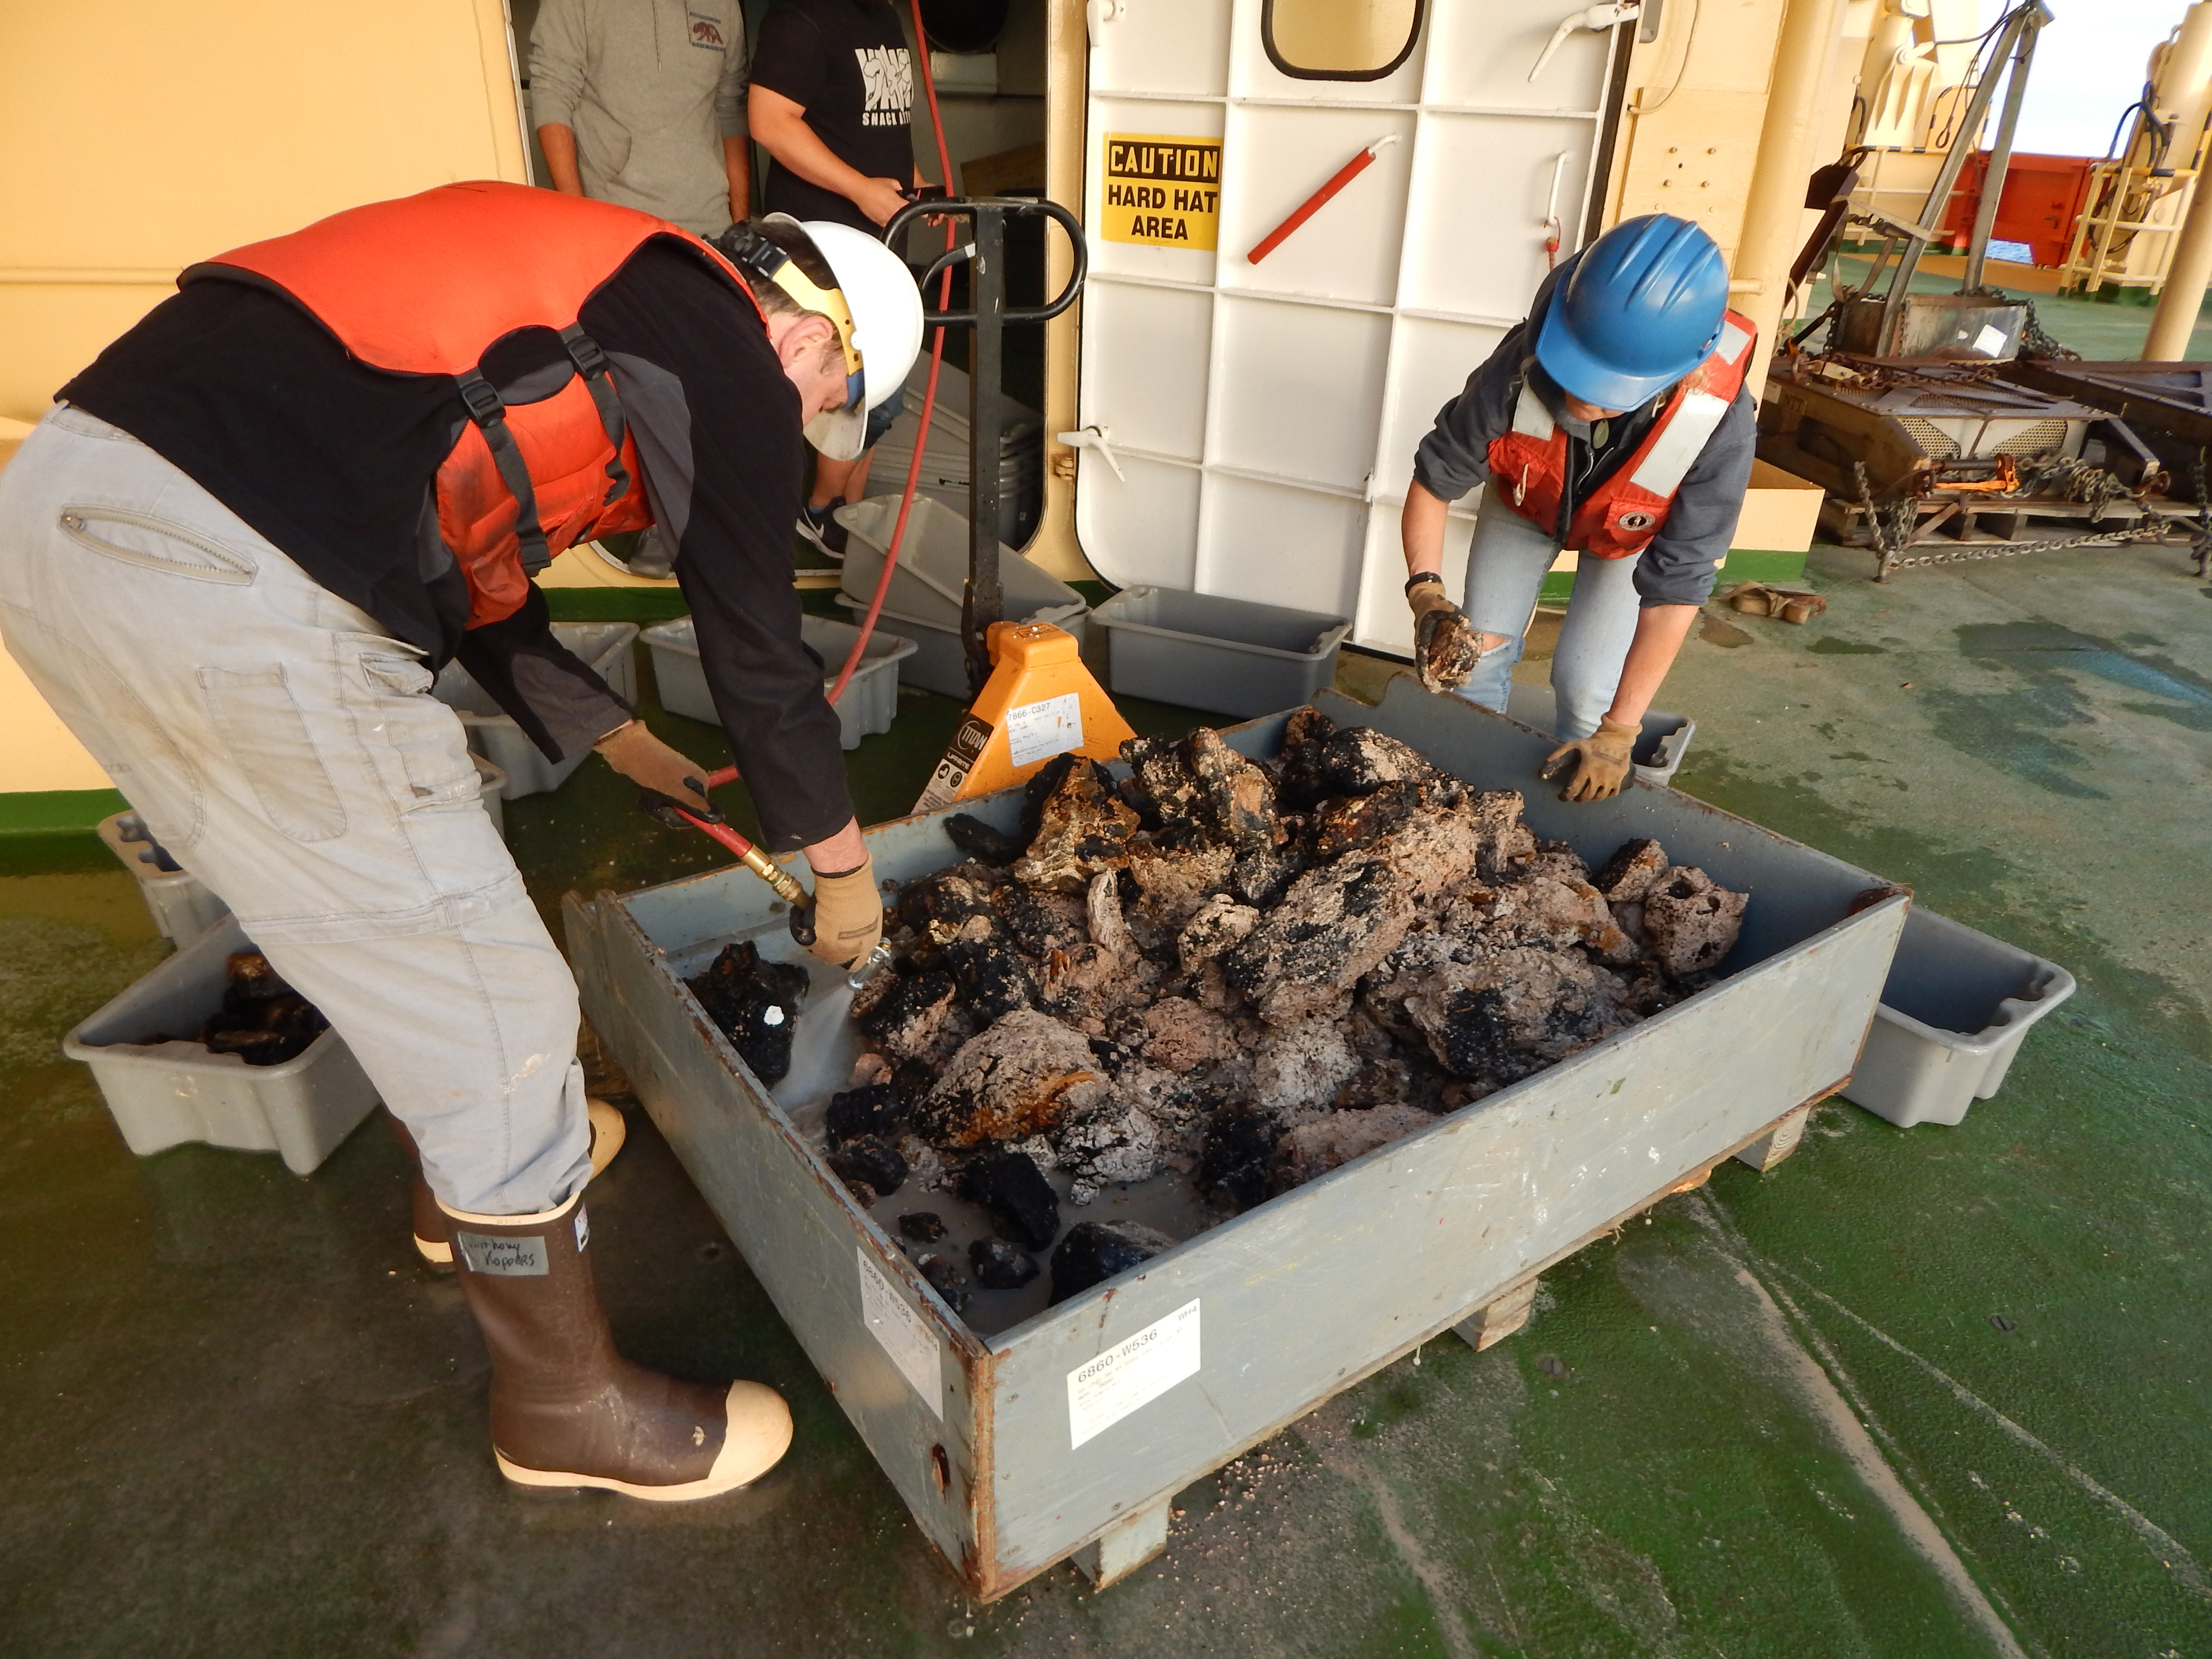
<point>427,285</point>
<point>1529,462</point>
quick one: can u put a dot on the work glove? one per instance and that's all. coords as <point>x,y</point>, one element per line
<point>848,916</point>
<point>1445,649</point>
<point>1601,762</point>
<point>651,764</point>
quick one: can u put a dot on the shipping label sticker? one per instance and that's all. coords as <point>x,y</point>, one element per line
<point>1991,340</point>
<point>1038,731</point>
<point>904,1333</point>
<point>1163,191</point>
<point>960,757</point>
<point>1131,1374</point>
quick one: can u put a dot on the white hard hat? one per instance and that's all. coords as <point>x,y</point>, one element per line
<point>872,298</point>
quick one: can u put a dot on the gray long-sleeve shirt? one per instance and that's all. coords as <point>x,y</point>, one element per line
<point>1680,565</point>
<point>650,87</point>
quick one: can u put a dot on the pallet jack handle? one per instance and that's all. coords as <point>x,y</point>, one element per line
<point>983,250</point>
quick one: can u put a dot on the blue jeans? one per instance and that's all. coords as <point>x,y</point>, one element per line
<point>1505,576</point>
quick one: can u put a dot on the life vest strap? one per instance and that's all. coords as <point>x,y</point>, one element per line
<point>489,413</point>
<point>591,363</point>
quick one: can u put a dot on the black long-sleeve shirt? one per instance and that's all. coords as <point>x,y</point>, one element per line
<point>335,463</point>
<point>1680,565</point>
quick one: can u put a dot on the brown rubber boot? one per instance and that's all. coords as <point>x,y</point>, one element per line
<point>609,1130</point>
<point>567,1410</point>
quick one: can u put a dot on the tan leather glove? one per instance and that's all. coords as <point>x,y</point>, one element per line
<point>651,764</point>
<point>848,915</point>
<point>1601,762</point>
<point>1445,649</point>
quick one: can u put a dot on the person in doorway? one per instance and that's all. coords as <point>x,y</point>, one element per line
<point>237,552</point>
<point>1614,422</point>
<point>832,103</point>
<point>643,102</point>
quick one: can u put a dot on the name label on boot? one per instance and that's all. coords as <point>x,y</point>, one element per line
<point>509,1257</point>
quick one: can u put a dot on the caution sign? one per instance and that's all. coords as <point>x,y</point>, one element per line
<point>1163,191</point>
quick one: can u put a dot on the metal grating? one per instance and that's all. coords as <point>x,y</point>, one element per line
<point>1934,441</point>
<point>2036,438</point>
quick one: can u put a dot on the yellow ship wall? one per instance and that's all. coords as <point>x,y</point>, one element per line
<point>144,135</point>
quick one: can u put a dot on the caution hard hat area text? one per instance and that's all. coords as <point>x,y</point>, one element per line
<point>1161,191</point>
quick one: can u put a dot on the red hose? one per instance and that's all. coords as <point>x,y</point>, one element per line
<point>929,393</point>
<point>729,774</point>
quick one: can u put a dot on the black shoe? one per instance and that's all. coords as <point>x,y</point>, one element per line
<point>819,525</point>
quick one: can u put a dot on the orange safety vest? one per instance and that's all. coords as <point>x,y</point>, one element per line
<point>427,285</point>
<point>1529,463</point>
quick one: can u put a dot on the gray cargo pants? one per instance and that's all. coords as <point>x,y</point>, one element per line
<point>291,757</point>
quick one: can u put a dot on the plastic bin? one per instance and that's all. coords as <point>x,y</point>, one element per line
<point>945,463</point>
<point>932,567</point>
<point>492,734</point>
<point>871,698</point>
<point>1954,1010</point>
<point>1227,656</point>
<point>182,905</point>
<point>939,662</point>
<point>164,1094</point>
<point>1658,753</point>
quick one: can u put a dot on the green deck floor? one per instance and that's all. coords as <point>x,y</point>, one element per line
<point>1915,1393</point>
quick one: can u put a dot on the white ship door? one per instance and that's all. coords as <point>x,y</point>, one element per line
<point>1250,428</point>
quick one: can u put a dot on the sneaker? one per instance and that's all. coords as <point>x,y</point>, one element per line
<point>820,526</point>
<point>652,556</point>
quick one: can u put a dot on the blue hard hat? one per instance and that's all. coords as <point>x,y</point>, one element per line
<point>1642,309</point>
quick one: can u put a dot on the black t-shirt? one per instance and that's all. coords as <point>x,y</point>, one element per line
<point>335,463</point>
<point>846,64</point>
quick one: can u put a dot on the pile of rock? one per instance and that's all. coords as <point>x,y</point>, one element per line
<point>1248,972</point>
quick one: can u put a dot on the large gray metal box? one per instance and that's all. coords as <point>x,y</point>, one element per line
<point>996,1443</point>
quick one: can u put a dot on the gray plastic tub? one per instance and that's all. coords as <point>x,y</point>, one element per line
<point>1954,1013</point>
<point>871,698</point>
<point>164,1094</point>
<point>1658,753</point>
<point>182,905</point>
<point>940,661</point>
<point>932,567</point>
<point>605,646</point>
<point>1227,656</point>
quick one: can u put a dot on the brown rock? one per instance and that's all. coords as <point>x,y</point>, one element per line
<point>1018,1078</point>
<point>1303,1064</point>
<point>1219,923</point>
<point>1630,873</point>
<point>1181,1036</point>
<point>1691,922</point>
<point>1082,829</point>
<point>1328,1143</point>
<point>1334,925</point>
<point>1237,797</point>
<point>1172,883</point>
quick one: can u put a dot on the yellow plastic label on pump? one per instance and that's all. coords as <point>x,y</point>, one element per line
<point>1161,191</point>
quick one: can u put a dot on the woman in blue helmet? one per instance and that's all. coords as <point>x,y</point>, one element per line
<point>1613,420</point>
